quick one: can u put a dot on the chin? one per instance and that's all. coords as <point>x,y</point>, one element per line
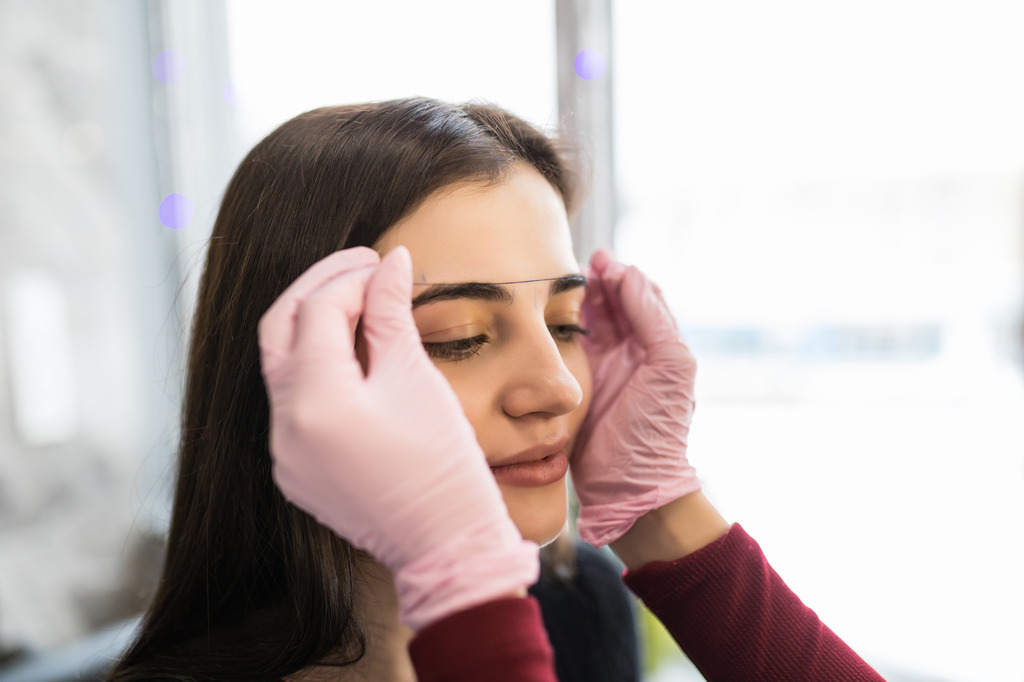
<point>539,513</point>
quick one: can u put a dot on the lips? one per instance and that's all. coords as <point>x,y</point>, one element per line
<point>538,473</point>
<point>535,453</point>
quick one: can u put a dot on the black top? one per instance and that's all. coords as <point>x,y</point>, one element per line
<point>590,622</point>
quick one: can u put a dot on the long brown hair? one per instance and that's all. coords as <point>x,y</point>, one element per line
<point>252,587</point>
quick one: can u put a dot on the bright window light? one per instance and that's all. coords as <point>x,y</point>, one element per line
<point>831,196</point>
<point>291,57</point>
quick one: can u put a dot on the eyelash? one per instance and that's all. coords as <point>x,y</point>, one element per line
<point>463,349</point>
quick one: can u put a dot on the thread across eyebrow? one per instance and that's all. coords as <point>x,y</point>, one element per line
<point>494,292</point>
<point>573,278</point>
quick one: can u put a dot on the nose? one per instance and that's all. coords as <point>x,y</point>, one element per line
<point>538,380</point>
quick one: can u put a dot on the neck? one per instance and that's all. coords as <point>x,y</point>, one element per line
<point>388,638</point>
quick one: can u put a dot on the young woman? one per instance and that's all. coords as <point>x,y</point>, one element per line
<point>392,328</point>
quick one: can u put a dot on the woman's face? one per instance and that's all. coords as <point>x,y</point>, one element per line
<point>510,351</point>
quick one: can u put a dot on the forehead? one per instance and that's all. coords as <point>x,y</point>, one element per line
<point>512,231</point>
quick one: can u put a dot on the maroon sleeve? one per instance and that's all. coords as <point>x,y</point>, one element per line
<point>499,641</point>
<point>736,620</point>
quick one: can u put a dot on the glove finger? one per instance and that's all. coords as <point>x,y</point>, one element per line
<point>596,315</point>
<point>611,283</point>
<point>600,260</point>
<point>323,333</point>
<point>605,323</point>
<point>646,311</point>
<point>276,329</point>
<point>388,325</point>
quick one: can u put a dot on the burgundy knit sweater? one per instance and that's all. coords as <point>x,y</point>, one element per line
<point>724,605</point>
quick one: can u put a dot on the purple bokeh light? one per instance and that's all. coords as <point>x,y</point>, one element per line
<point>169,66</point>
<point>590,64</point>
<point>176,211</point>
<point>229,95</point>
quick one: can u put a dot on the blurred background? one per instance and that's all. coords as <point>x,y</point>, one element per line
<point>831,196</point>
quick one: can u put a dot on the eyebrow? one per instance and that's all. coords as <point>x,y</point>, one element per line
<point>492,292</point>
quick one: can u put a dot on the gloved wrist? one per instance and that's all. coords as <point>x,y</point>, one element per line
<point>484,562</point>
<point>602,524</point>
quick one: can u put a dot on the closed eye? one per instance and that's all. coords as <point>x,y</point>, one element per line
<point>460,349</point>
<point>463,349</point>
<point>567,332</point>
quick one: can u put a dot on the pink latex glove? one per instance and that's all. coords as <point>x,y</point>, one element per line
<point>387,460</point>
<point>630,454</point>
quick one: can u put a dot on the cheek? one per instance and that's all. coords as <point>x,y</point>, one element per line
<point>469,386</point>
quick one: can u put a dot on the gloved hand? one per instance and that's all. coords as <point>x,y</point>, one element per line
<point>387,460</point>
<point>630,454</point>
